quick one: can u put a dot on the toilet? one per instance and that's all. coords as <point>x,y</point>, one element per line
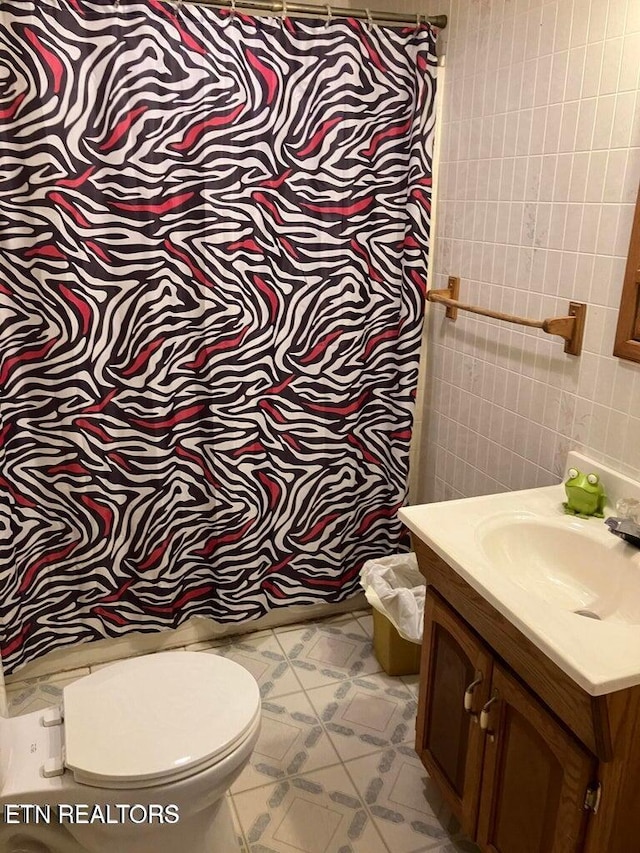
<point>137,759</point>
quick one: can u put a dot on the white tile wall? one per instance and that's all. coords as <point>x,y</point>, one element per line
<point>539,170</point>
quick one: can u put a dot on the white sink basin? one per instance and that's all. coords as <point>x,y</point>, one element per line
<point>566,565</point>
<point>567,583</point>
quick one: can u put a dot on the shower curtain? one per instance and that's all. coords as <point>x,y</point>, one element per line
<point>213,248</point>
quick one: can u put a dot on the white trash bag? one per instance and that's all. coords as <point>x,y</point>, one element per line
<point>395,587</point>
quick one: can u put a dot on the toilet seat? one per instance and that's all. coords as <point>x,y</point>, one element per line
<point>156,719</point>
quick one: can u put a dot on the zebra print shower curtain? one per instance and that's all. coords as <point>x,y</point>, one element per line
<point>213,248</point>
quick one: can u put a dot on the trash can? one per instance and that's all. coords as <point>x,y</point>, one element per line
<point>395,589</point>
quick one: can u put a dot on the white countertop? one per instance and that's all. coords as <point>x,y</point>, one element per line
<point>601,656</point>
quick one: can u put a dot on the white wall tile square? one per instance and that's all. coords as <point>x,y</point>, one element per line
<point>539,170</point>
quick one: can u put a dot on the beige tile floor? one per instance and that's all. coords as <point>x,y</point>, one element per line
<point>334,769</point>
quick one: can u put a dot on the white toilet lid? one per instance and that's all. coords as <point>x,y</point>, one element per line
<point>154,719</point>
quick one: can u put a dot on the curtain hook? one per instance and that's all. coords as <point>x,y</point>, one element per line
<point>369,20</point>
<point>232,13</point>
<point>329,15</point>
<point>418,21</point>
<point>283,14</point>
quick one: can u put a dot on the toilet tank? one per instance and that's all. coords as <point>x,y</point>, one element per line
<point>25,745</point>
<point>4,716</point>
<point>4,752</point>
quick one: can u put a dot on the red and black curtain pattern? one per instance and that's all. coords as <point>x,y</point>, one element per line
<point>213,248</point>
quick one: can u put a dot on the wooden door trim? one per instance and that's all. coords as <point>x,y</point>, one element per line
<point>627,342</point>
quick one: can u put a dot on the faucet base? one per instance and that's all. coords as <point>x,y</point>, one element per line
<point>625,529</point>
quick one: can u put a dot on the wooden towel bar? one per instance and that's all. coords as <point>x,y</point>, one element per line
<point>571,327</point>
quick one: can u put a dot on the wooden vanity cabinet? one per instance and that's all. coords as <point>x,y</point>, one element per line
<point>454,685</point>
<point>548,768</point>
<point>534,777</point>
<point>512,775</point>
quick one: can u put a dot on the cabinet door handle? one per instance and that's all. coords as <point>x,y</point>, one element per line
<point>484,715</point>
<point>468,693</point>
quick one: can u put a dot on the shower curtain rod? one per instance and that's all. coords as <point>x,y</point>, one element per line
<point>324,10</point>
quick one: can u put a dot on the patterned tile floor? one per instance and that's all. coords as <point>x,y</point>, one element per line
<point>334,769</point>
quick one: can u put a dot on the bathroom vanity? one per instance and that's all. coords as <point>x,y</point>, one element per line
<point>528,717</point>
<point>548,754</point>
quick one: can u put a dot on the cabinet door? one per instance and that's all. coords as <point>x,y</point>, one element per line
<point>535,776</point>
<point>454,664</point>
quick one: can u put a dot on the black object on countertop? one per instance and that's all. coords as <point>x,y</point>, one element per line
<point>626,529</point>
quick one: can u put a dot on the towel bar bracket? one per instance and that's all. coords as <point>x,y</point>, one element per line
<point>570,328</point>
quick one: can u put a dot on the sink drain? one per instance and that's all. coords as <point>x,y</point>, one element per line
<point>588,613</point>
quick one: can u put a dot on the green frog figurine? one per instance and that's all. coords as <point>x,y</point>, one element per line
<point>585,495</point>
